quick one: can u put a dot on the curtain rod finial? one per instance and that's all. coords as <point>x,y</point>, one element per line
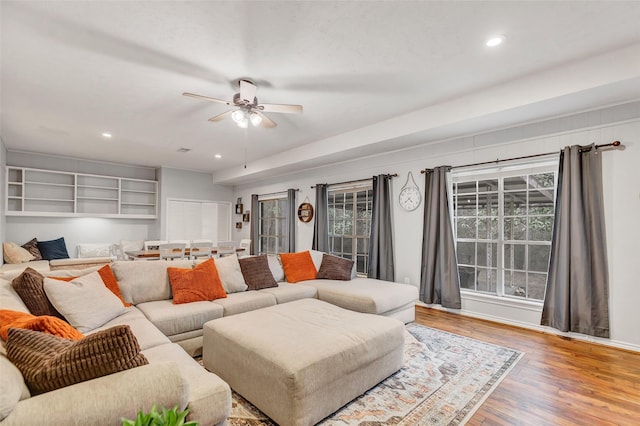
<point>616,143</point>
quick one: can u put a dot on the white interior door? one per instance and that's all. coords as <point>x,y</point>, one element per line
<point>193,220</point>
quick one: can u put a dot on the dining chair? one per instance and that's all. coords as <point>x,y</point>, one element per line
<point>201,249</point>
<point>246,245</point>
<point>154,244</point>
<point>187,243</point>
<point>172,251</point>
<point>226,248</point>
<point>129,245</point>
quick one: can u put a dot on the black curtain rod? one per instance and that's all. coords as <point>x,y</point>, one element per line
<point>276,193</point>
<point>586,148</point>
<point>356,181</point>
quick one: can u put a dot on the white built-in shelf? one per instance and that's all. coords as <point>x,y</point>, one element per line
<point>36,192</point>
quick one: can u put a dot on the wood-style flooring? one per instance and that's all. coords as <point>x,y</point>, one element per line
<point>559,381</point>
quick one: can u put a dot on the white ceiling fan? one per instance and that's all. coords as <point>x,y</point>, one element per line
<point>248,109</point>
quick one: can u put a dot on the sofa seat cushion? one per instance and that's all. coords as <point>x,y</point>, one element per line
<point>147,334</point>
<point>236,303</point>
<point>146,281</point>
<point>76,263</point>
<point>176,319</point>
<point>365,295</point>
<point>209,396</point>
<point>286,292</point>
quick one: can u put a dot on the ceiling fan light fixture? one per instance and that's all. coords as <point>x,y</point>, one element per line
<point>238,116</point>
<point>255,119</point>
<point>243,124</point>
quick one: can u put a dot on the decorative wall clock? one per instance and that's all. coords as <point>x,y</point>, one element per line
<point>410,197</point>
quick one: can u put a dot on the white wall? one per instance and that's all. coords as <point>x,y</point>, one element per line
<point>622,202</point>
<point>3,163</point>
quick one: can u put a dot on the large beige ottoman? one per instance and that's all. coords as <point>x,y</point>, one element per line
<point>300,361</point>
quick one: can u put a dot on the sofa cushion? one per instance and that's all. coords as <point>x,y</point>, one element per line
<point>335,268</point>
<point>53,249</point>
<point>111,283</point>
<point>365,295</point>
<point>32,247</point>
<point>276,267</point>
<point>13,253</point>
<point>318,256</point>
<point>201,283</point>
<point>85,302</point>
<point>174,319</point>
<point>30,287</point>
<point>145,281</point>
<point>49,362</point>
<point>286,292</point>
<point>50,325</point>
<point>237,303</point>
<point>230,274</point>
<point>9,299</point>
<point>209,395</point>
<point>147,334</point>
<point>298,266</point>
<point>12,387</point>
<point>256,272</point>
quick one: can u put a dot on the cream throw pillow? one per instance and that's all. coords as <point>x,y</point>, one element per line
<point>230,274</point>
<point>13,253</point>
<point>85,302</point>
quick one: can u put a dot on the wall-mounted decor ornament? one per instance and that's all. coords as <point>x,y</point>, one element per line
<point>305,211</point>
<point>410,197</point>
<point>246,217</point>
<point>238,225</point>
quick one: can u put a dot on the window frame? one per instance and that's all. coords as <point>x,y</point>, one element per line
<point>354,189</point>
<point>500,173</point>
<point>281,236</point>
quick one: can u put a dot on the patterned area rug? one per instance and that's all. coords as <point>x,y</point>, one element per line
<point>445,379</point>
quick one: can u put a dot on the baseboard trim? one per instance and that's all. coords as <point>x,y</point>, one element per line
<point>539,328</point>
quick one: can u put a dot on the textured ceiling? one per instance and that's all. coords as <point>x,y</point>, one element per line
<point>372,76</point>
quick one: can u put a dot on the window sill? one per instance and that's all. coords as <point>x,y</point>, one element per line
<point>502,301</point>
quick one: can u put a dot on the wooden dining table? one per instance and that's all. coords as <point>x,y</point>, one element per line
<point>155,254</point>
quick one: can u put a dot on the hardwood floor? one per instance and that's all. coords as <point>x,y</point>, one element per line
<point>559,381</point>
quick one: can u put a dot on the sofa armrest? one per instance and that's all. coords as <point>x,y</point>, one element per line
<point>105,400</point>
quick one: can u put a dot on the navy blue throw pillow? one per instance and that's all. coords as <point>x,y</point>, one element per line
<point>54,249</point>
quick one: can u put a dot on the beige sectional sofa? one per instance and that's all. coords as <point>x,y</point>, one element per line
<point>169,335</point>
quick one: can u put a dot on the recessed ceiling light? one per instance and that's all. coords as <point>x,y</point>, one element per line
<point>495,41</point>
<point>218,156</point>
<point>107,135</point>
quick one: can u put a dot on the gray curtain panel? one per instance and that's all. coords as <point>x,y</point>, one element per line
<point>577,295</point>
<point>255,225</point>
<point>292,216</point>
<point>321,224</point>
<point>439,279</point>
<point>381,240</point>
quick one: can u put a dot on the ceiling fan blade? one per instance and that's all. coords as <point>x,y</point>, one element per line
<point>207,98</point>
<point>248,90</point>
<point>266,121</point>
<point>221,116</point>
<point>281,108</point>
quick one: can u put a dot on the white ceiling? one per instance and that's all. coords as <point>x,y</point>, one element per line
<point>372,76</point>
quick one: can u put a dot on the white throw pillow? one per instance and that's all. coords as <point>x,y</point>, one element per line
<point>85,302</point>
<point>13,253</point>
<point>93,250</point>
<point>276,267</point>
<point>230,274</point>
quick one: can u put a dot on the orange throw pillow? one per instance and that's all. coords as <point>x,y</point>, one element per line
<point>201,283</point>
<point>298,266</point>
<point>46,324</point>
<point>111,283</point>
